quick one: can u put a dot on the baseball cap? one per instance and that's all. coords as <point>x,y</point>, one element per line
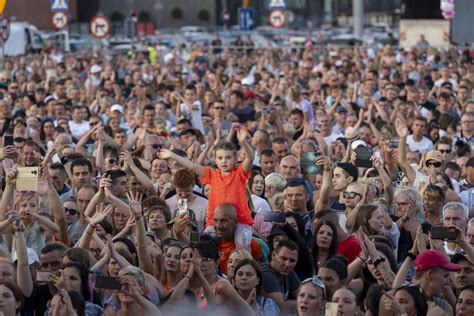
<point>358,143</point>
<point>434,155</point>
<point>351,133</point>
<point>430,259</point>
<point>32,256</point>
<point>117,107</point>
<point>341,109</point>
<point>95,69</point>
<point>459,257</point>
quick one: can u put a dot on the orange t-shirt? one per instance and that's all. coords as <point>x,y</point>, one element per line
<point>226,247</point>
<point>227,189</point>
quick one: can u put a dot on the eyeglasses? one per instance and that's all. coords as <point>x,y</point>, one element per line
<point>156,146</point>
<point>14,87</point>
<point>316,281</point>
<point>112,161</point>
<point>93,123</point>
<point>71,211</point>
<point>445,151</point>
<point>436,164</point>
<point>219,108</point>
<point>350,195</point>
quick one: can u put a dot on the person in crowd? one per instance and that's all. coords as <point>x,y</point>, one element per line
<point>167,173</point>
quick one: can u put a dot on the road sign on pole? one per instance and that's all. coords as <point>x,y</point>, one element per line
<point>277,18</point>
<point>60,20</point>
<point>59,5</point>
<point>277,4</point>
<point>4,28</point>
<point>246,18</point>
<point>99,26</point>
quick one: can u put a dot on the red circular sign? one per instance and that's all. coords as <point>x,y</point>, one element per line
<point>59,20</point>
<point>277,18</point>
<point>99,26</point>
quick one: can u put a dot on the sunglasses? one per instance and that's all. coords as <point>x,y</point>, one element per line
<point>71,211</point>
<point>445,151</point>
<point>317,282</point>
<point>219,108</point>
<point>436,164</point>
<point>156,146</point>
<point>93,123</point>
<point>350,195</point>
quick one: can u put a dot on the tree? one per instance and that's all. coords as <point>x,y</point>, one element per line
<point>177,13</point>
<point>117,16</point>
<point>204,15</point>
<point>144,16</point>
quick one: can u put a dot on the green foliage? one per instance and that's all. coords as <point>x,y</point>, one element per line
<point>204,15</point>
<point>177,13</point>
<point>117,16</point>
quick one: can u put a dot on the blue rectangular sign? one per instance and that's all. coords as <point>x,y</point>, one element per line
<point>246,18</point>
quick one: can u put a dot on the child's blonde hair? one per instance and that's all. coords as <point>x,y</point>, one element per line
<point>24,196</point>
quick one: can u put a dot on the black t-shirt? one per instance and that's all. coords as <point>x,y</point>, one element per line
<point>271,283</point>
<point>36,304</point>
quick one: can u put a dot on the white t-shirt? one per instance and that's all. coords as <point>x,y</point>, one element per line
<point>78,129</point>
<point>306,107</point>
<point>260,205</point>
<point>424,145</point>
<point>194,115</point>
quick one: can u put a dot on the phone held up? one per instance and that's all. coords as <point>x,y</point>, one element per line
<point>308,166</point>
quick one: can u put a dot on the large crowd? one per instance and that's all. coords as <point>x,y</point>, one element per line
<point>238,181</point>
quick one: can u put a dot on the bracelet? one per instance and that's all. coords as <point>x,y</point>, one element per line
<point>363,262</point>
<point>378,261</point>
<point>411,255</point>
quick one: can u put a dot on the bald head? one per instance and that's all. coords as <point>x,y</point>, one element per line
<point>225,220</point>
<point>289,167</point>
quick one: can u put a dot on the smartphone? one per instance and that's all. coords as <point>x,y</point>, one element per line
<point>182,206</point>
<point>107,283</point>
<point>308,166</point>
<point>363,155</point>
<point>393,144</point>
<point>27,179</point>
<point>194,238</point>
<point>43,277</point>
<point>8,141</point>
<point>331,309</point>
<point>276,217</point>
<point>441,232</point>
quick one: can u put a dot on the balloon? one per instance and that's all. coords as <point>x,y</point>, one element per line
<point>447,5</point>
<point>448,14</point>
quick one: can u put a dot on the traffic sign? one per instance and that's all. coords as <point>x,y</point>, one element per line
<point>99,26</point>
<point>59,5</point>
<point>59,20</point>
<point>4,28</point>
<point>277,18</point>
<point>277,4</point>
<point>2,5</point>
<point>246,18</point>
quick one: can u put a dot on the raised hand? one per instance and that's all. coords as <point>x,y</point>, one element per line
<point>164,153</point>
<point>126,157</point>
<point>392,305</point>
<point>401,127</point>
<point>135,202</point>
<point>323,162</point>
<point>242,134</point>
<point>101,214</point>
